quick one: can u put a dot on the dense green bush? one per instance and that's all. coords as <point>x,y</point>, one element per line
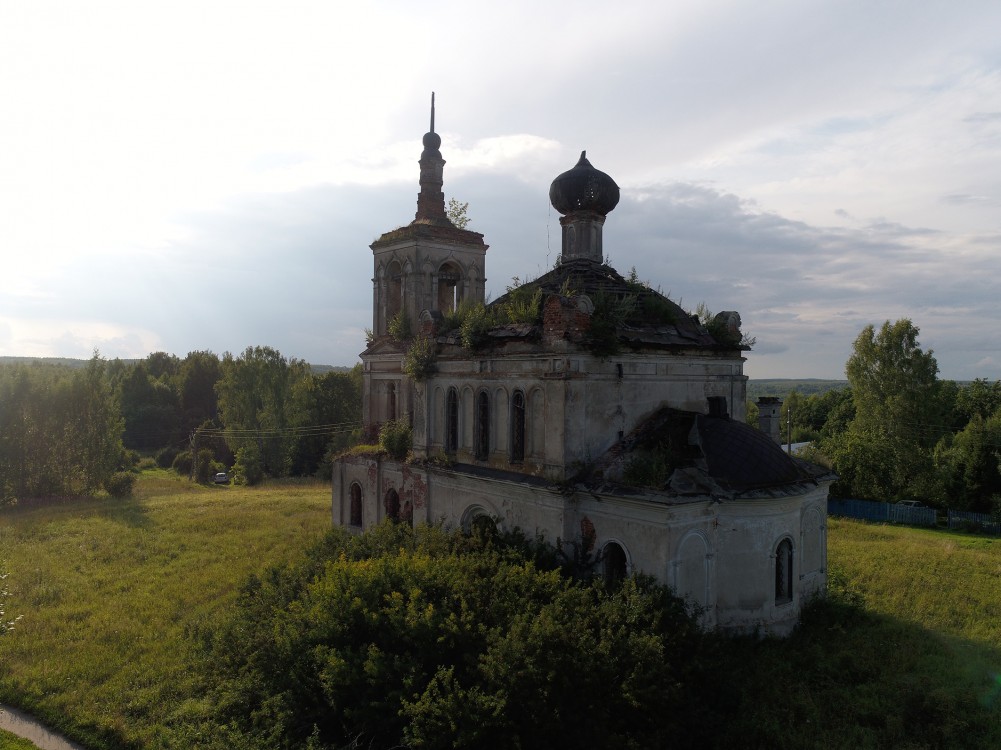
<point>120,484</point>
<point>396,438</point>
<point>182,464</point>
<point>165,457</point>
<point>423,638</point>
<point>249,468</point>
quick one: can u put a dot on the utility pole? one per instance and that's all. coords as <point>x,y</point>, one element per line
<point>789,430</point>
<point>194,452</point>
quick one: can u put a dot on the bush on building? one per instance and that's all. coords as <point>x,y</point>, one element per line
<point>396,438</point>
<point>399,327</point>
<point>418,362</point>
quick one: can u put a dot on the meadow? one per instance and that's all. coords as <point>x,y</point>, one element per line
<point>905,653</point>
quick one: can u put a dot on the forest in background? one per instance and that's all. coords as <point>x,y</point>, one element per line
<point>892,431</point>
<point>75,429</point>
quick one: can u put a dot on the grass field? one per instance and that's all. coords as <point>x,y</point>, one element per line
<point>906,654</point>
<point>108,590</point>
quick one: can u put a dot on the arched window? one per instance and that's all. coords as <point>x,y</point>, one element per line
<point>783,572</point>
<point>356,504</point>
<point>394,290</point>
<point>448,287</point>
<point>518,427</point>
<point>391,401</point>
<point>614,562</point>
<point>482,445</point>
<point>393,506</point>
<point>452,421</point>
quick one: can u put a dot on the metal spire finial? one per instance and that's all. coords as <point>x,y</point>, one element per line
<point>432,112</point>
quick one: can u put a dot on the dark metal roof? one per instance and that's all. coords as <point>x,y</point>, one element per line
<point>584,188</point>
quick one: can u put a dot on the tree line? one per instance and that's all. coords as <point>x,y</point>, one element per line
<point>69,431</point>
<point>899,432</point>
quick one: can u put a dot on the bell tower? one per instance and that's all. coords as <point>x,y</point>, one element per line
<point>429,264</point>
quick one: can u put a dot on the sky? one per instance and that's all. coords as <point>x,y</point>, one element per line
<point>188,176</point>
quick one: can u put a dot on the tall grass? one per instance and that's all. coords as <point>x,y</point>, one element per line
<point>110,588</point>
<point>905,653</point>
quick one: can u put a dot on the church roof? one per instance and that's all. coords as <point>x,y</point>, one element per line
<point>647,317</point>
<point>702,454</point>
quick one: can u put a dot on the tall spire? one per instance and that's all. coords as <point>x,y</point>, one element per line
<point>431,200</point>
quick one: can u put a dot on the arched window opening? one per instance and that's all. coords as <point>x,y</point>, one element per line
<point>393,506</point>
<point>518,427</point>
<point>394,291</point>
<point>783,572</point>
<point>448,287</point>
<point>391,401</point>
<point>482,426</point>
<point>356,504</point>
<point>452,421</point>
<point>408,513</point>
<point>614,563</point>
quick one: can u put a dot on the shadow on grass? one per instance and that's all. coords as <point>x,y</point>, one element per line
<point>848,678</point>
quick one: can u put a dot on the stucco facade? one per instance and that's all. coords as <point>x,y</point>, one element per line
<point>611,422</point>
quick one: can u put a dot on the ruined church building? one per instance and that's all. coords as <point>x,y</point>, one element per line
<point>606,417</point>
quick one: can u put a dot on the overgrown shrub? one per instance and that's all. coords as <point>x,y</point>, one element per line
<point>165,457</point>
<point>120,484</point>
<point>182,464</point>
<point>399,327</point>
<point>396,438</point>
<point>207,466</point>
<point>248,468</point>
<point>418,362</point>
<point>425,638</point>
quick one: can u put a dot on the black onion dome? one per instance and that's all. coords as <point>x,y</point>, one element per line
<point>584,188</point>
<point>432,141</point>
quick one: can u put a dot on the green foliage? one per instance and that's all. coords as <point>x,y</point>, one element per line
<point>60,430</point>
<point>396,438</point>
<point>182,463</point>
<point>900,414</point>
<point>120,484</point>
<point>475,324</point>
<point>418,361</point>
<point>248,468</point>
<point>206,466</point>
<point>970,464</point>
<point>903,655</point>
<point>6,623</point>
<point>650,468</point>
<point>610,313</point>
<point>165,457</point>
<point>265,399</point>
<point>457,213</point>
<point>475,645</point>
<point>399,326</point>
<point>523,304</point>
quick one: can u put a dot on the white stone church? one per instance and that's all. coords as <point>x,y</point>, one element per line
<point>599,415</point>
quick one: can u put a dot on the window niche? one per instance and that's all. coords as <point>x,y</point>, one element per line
<point>783,572</point>
<point>482,442</point>
<point>356,514</point>
<point>518,427</point>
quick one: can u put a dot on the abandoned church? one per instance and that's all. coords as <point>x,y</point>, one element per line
<point>584,407</point>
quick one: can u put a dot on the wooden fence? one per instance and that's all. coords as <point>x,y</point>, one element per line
<point>982,523</point>
<point>868,510</point>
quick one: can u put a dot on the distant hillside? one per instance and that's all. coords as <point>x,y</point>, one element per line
<point>783,386</point>
<point>68,362</point>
